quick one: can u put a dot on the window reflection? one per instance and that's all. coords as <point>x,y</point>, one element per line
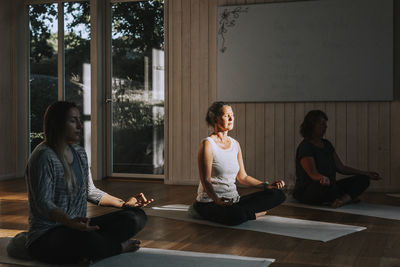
<point>77,63</point>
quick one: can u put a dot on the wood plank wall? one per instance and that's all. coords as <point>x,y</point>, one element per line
<point>7,104</point>
<point>365,134</point>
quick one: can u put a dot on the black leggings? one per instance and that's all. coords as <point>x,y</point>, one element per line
<point>243,210</point>
<point>66,245</point>
<point>317,194</point>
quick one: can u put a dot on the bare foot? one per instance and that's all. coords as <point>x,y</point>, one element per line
<point>85,261</point>
<point>260,214</point>
<point>130,245</point>
<point>337,203</point>
<point>341,201</point>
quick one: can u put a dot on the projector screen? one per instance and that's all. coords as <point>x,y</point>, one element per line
<point>331,50</point>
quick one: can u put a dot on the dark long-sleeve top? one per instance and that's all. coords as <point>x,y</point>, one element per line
<point>47,189</point>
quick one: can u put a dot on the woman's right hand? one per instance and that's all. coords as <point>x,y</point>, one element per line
<point>82,224</point>
<point>325,181</point>
<point>138,201</point>
<point>223,201</point>
<point>277,185</point>
<point>374,175</point>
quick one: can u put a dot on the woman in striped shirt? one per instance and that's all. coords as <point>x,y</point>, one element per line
<point>59,185</point>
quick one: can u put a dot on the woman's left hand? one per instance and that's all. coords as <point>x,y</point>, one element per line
<point>138,201</point>
<point>277,184</point>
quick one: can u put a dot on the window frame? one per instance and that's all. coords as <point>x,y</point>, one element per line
<point>100,60</point>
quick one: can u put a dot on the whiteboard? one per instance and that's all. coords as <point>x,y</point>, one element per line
<point>330,50</point>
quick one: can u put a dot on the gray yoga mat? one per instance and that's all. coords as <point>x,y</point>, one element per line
<point>361,208</point>
<point>305,229</point>
<point>145,257</point>
<point>175,258</point>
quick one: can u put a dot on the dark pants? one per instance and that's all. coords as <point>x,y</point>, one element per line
<point>317,194</point>
<point>243,210</point>
<point>66,245</point>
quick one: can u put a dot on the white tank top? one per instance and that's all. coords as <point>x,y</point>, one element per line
<point>225,167</point>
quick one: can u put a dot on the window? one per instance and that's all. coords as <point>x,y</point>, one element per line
<point>59,73</point>
<point>59,69</point>
<point>43,79</point>
<point>137,87</point>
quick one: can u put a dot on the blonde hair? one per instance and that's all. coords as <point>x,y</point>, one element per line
<point>214,111</point>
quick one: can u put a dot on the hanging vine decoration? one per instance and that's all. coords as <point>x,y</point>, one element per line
<point>227,20</point>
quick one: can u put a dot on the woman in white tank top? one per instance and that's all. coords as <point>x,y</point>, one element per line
<point>220,165</point>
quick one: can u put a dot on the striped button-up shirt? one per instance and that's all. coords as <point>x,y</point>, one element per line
<point>47,189</point>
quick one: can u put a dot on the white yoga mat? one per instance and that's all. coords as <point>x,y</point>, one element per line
<point>174,258</point>
<point>145,257</point>
<point>305,229</point>
<point>365,209</point>
<point>393,195</point>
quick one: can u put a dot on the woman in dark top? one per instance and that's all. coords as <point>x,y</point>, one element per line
<point>317,164</point>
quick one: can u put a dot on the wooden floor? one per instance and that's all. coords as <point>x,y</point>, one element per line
<point>378,245</point>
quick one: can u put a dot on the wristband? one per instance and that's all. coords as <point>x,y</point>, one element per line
<point>123,204</point>
<point>265,185</point>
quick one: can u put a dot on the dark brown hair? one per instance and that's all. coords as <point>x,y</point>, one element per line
<point>307,127</point>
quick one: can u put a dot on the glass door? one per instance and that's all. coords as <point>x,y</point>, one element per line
<point>136,89</point>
